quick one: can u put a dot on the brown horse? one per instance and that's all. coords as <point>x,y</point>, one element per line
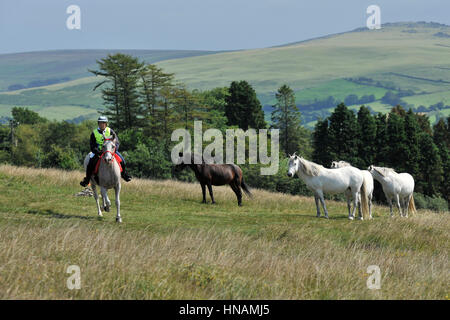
<point>217,175</point>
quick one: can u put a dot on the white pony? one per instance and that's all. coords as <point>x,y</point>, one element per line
<point>368,181</point>
<point>108,177</point>
<point>396,186</point>
<point>322,180</point>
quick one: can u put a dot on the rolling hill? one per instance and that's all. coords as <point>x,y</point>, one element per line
<point>409,59</point>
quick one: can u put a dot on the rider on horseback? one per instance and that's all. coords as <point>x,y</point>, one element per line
<point>96,142</point>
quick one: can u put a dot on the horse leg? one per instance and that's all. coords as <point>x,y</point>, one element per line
<point>405,206</point>
<point>203,192</point>
<point>370,206</point>
<point>322,200</point>
<point>359,207</point>
<point>316,198</point>
<point>351,215</point>
<point>390,207</point>
<point>94,189</point>
<point>408,199</point>
<point>211,192</point>
<point>117,189</point>
<point>398,205</point>
<point>348,196</point>
<point>237,190</point>
<point>106,201</point>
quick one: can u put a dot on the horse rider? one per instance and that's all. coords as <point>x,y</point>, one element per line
<point>96,143</point>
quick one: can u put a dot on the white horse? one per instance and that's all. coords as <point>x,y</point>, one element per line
<point>322,180</point>
<point>108,177</point>
<point>368,181</point>
<point>396,186</point>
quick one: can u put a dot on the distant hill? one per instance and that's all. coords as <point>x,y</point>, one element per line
<point>37,68</point>
<point>410,59</point>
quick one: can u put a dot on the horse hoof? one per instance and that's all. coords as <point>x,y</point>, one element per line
<point>326,217</point>
<point>119,220</point>
<point>106,209</point>
<point>100,215</point>
<point>350,218</point>
<point>361,218</point>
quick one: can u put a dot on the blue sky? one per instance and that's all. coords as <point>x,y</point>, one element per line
<point>31,25</point>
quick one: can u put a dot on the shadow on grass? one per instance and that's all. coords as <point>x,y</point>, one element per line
<point>53,214</point>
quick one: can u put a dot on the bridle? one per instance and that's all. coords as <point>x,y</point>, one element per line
<point>112,153</point>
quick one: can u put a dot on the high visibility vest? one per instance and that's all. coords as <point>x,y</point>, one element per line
<point>99,137</point>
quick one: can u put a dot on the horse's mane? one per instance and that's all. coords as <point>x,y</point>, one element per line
<point>343,163</point>
<point>384,171</point>
<point>310,168</point>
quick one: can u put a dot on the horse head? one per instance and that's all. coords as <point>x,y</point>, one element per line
<point>294,161</point>
<point>109,149</point>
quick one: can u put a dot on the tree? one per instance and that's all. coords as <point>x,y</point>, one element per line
<point>381,147</point>
<point>121,98</point>
<point>397,149</point>
<point>153,82</point>
<point>412,131</point>
<point>321,152</point>
<point>287,118</point>
<point>367,132</point>
<point>430,176</point>
<point>343,135</point>
<point>441,133</point>
<point>26,116</point>
<point>243,107</point>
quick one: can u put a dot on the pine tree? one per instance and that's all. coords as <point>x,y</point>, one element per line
<point>243,107</point>
<point>121,98</point>
<point>321,141</point>
<point>441,133</point>
<point>430,164</point>
<point>412,131</point>
<point>367,132</point>
<point>397,149</point>
<point>343,135</point>
<point>381,147</point>
<point>287,118</point>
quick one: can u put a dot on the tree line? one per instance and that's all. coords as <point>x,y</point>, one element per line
<point>145,104</point>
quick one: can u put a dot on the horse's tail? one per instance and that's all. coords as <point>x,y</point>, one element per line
<point>411,205</point>
<point>364,199</point>
<point>246,188</point>
<point>240,177</point>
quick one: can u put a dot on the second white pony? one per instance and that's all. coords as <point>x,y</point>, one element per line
<point>368,181</point>
<point>322,180</point>
<point>398,187</point>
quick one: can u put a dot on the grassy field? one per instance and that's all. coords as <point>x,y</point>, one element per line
<point>170,246</point>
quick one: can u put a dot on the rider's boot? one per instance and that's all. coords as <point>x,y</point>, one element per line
<point>89,170</point>
<point>124,172</point>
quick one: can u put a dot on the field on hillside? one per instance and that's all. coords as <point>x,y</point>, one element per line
<point>170,246</point>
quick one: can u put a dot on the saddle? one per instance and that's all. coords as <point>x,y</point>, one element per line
<point>97,165</point>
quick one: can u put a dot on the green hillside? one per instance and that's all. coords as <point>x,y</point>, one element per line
<point>170,246</point>
<point>411,59</point>
<point>66,65</point>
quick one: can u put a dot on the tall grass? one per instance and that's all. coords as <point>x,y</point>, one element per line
<point>170,246</point>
